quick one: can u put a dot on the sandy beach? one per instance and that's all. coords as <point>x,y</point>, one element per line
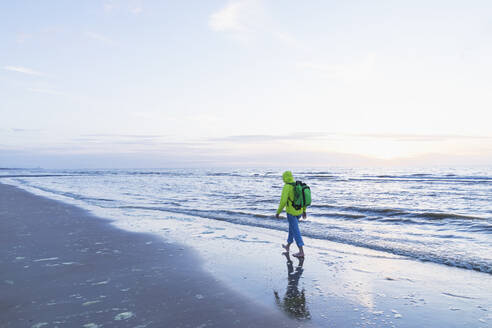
<point>63,267</point>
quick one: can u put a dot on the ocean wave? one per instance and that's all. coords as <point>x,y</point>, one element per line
<point>399,220</point>
<point>363,210</point>
<point>416,175</point>
<point>264,201</point>
<point>481,228</point>
<point>322,177</point>
<point>34,175</point>
<point>166,173</point>
<point>67,194</point>
<point>402,215</point>
<point>338,215</point>
<point>91,172</point>
<point>449,178</point>
<point>223,174</point>
<point>245,175</point>
<point>331,233</point>
<point>443,216</point>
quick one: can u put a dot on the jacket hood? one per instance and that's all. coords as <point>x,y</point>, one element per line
<point>287,177</point>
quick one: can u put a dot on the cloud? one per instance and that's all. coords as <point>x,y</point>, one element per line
<point>22,37</point>
<point>267,138</point>
<point>135,136</point>
<point>228,18</point>
<point>421,137</point>
<point>109,5</point>
<point>154,150</point>
<point>189,157</point>
<point>287,39</point>
<point>45,91</point>
<point>25,131</point>
<point>142,141</point>
<point>23,70</point>
<point>358,70</point>
<point>245,20</point>
<point>320,136</point>
<point>133,6</point>
<point>18,130</point>
<point>99,37</point>
<point>136,8</point>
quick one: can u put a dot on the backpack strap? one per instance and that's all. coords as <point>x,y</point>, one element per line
<point>293,184</point>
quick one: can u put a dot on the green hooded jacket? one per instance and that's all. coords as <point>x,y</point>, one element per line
<point>288,196</point>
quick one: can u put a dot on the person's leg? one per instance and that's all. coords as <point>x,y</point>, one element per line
<point>290,238</point>
<point>301,252</point>
<point>297,235</point>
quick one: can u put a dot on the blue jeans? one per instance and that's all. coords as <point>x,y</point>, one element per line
<point>294,232</point>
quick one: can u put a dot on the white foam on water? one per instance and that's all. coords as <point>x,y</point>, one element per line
<point>46,259</point>
<point>91,325</point>
<point>124,316</point>
<point>39,325</point>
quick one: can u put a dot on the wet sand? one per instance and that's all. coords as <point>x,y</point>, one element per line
<point>63,267</point>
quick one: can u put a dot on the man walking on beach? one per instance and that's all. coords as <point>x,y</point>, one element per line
<point>293,215</point>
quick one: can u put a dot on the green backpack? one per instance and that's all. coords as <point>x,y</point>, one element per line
<point>302,195</point>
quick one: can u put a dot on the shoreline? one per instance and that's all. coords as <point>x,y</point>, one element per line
<point>339,285</point>
<point>62,266</point>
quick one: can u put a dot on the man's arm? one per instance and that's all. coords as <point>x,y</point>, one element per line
<point>283,200</point>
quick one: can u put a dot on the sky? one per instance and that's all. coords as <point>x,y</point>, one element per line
<point>140,83</point>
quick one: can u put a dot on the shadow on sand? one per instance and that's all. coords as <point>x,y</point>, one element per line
<point>294,301</point>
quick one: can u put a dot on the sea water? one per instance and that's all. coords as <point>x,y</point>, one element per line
<point>438,215</point>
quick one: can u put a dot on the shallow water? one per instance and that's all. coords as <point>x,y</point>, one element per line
<point>438,215</point>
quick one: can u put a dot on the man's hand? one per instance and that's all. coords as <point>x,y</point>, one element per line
<point>277,216</point>
<point>304,215</point>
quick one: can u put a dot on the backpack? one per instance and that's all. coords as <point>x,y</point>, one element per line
<point>302,195</point>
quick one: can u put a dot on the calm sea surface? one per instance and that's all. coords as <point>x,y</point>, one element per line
<point>438,215</point>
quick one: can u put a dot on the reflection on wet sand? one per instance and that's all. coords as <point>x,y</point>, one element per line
<point>294,301</point>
